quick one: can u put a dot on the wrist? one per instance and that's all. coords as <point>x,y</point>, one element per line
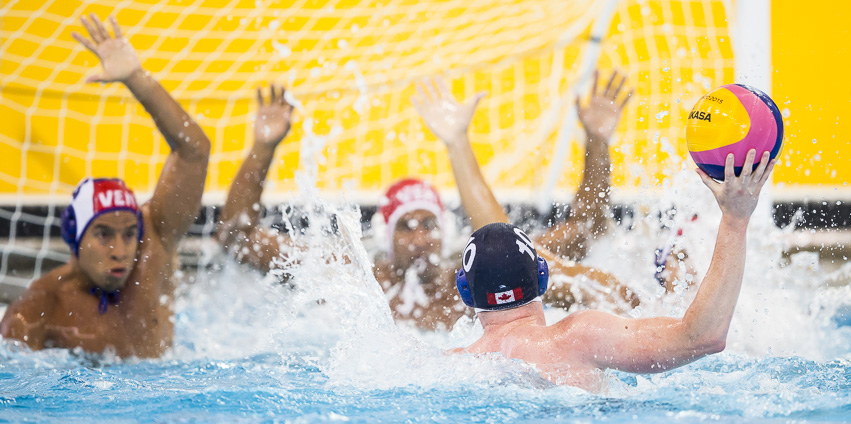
<point>598,139</point>
<point>458,140</point>
<point>735,223</point>
<point>263,149</point>
<point>137,78</point>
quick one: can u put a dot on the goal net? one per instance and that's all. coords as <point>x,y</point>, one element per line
<point>351,65</point>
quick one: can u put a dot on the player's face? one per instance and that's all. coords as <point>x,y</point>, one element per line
<point>417,238</point>
<point>108,249</point>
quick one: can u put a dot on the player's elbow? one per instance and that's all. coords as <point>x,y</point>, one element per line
<point>194,148</point>
<point>711,343</point>
<point>201,150</point>
<point>707,341</point>
<point>716,346</point>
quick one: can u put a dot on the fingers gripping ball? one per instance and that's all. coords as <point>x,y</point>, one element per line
<point>732,119</point>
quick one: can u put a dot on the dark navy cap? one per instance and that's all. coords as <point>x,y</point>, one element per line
<point>501,267</point>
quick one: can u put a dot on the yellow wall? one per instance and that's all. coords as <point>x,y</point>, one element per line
<point>811,58</point>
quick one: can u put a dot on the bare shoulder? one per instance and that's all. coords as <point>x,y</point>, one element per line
<point>52,282</point>
<point>40,296</point>
<point>585,325</point>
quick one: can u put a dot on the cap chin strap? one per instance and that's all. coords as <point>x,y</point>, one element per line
<point>537,299</point>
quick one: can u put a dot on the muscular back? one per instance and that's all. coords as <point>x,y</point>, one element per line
<point>558,351</point>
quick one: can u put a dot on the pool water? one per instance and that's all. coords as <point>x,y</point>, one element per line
<point>250,350</point>
<point>273,387</point>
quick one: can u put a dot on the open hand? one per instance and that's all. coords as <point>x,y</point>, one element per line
<point>273,118</point>
<point>443,115</point>
<point>604,109</point>
<point>117,56</point>
<point>738,196</point>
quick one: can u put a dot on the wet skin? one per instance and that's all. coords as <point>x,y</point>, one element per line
<point>59,310</point>
<point>430,299</point>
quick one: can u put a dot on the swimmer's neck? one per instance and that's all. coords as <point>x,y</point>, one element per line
<point>501,322</point>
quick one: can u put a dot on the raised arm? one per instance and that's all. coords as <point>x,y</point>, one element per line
<point>657,344</point>
<point>241,212</point>
<point>587,218</point>
<point>177,196</point>
<point>449,121</point>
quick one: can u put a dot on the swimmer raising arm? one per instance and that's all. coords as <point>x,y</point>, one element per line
<point>117,290</point>
<point>241,212</point>
<point>657,344</point>
<point>450,120</point>
<point>177,196</point>
<point>502,282</point>
<point>588,219</point>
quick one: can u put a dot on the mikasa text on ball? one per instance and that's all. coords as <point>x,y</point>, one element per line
<point>732,118</point>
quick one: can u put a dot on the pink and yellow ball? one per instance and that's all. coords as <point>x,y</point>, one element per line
<point>732,118</point>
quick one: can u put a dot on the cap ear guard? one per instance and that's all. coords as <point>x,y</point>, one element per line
<point>543,276</point>
<point>69,228</point>
<point>467,296</point>
<point>464,288</point>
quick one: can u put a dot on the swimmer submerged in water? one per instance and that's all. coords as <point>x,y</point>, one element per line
<point>116,292</point>
<point>502,275</point>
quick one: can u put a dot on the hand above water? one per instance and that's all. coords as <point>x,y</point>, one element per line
<point>604,109</point>
<point>273,117</point>
<point>737,196</point>
<point>443,115</point>
<point>117,56</point>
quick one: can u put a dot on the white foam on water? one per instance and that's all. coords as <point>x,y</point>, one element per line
<point>338,316</point>
<point>337,313</point>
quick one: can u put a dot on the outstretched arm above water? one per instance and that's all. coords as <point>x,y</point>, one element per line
<point>658,344</point>
<point>450,120</point>
<point>238,231</point>
<point>177,196</point>
<point>587,219</point>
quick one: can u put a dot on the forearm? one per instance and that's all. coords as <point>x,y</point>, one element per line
<point>181,132</point>
<point>593,193</point>
<point>711,311</point>
<point>588,210</point>
<point>476,197</point>
<point>247,187</point>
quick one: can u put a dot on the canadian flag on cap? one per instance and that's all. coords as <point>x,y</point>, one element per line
<point>505,296</point>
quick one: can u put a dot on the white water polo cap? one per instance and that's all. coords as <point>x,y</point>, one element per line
<point>408,195</point>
